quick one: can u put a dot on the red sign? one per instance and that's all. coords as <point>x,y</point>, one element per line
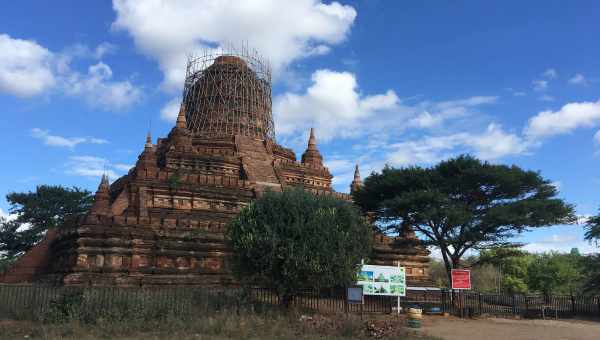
<point>461,279</point>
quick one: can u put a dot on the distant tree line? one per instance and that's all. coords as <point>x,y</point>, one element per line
<point>515,271</point>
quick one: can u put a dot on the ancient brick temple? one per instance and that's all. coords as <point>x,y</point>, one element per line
<point>163,222</point>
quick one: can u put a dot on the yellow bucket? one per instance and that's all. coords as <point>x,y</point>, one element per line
<point>415,313</point>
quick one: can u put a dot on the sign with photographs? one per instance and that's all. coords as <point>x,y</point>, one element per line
<point>382,280</point>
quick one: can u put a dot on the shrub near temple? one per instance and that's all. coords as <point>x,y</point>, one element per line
<point>294,240</point>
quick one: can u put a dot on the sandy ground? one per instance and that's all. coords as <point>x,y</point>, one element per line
<point>450,328</point>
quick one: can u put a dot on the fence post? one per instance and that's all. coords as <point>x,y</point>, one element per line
<point>598,302</point>
<point>572,305</point>
<point>480,311</point>
<point>514,305</point>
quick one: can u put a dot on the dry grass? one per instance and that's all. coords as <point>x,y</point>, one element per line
<point>221,325</point>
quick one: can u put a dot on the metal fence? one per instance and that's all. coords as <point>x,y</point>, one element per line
<point>90,303</point>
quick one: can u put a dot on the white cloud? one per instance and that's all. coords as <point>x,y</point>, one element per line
<point>546,98</point>
<point>570,117</point>
<point>122,167</point>
<point>445,110</point>
<point>84,51</point>
<point>540,85</point>
<point>491,144</point>
<point>283,31</point>
<point>26,68</point>
<point>597,137</point>
<point>550,73</point>
<point>578,79</point>
<point>519,94</point>
<point>543,247</point>
<point>170,111</point>
<point>332,104</point>
<point>98,88</point>
<point>91,166</point>
<point>59,141</point>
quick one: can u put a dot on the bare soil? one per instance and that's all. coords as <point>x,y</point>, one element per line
<point>450,328</point>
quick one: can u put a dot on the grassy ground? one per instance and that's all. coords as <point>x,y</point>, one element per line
<point>218,326</point>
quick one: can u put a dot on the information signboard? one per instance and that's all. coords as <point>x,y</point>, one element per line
<point>354,295</point>
<point>382,280</point>
<point>461,279</point>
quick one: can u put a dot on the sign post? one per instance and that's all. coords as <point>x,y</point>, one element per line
<point>461,280</point>
<point>383,280</point>
<point>354,296</point>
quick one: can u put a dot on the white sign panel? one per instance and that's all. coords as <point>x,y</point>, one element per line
<point>382,280</point>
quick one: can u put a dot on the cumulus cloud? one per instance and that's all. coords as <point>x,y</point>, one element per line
<point>578,79</point>
<point>26,68</point>
<point>570,117</point>
<point>170,111</point>
<point>94,167</point>
<point>283,31</point>
<point>99,90</point>
<point>60,141</point>
<point>332,104</point>
<point>434,114</point>
<point>491,144</point>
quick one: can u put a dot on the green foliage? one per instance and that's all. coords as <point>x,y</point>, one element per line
<point>486,279</point>
<point>513,264</point>
<point>592,227</point>
<point>293,240</point>
<point>591,274</point>
<point>462,203</point>
<point>555,273</point>
<point>47,207</point>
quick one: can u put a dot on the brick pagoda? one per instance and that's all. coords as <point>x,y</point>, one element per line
<point>163,222</point>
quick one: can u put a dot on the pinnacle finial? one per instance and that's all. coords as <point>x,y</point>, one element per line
<point>356,182</point>
<point>104,185</point>
<point>149,140</point>
<point>312,140</point>
<point>181,122</point>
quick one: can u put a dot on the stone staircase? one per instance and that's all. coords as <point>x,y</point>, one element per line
<point>257,163</point>
<point>34,263</point>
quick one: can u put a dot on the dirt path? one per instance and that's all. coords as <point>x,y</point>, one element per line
<point>501,329</point>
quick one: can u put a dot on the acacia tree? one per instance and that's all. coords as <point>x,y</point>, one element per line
<point>48,207</point>
<point>462,204</point>
<point>292,240</point>
<point>592,262</point>
<point>592,232</point>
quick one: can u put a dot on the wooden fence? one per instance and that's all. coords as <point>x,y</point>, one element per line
<point>89,303</point>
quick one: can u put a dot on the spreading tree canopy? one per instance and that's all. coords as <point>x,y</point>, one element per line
<point>293,240</point>
<point>462,203</point>
<point>592,227</point>
<point>48,207</point>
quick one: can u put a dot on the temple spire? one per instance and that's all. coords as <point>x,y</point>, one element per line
<point>312,156</point>
<point>148,140</point>
<point>356,182</point>
<point>312,141</point>
<point>181,122</point>
<point>101,204</point>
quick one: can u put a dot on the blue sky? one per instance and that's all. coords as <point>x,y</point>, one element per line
<point>392,82</point>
